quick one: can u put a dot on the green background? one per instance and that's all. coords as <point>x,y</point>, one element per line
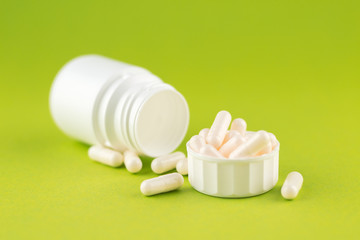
<point>289,67</point>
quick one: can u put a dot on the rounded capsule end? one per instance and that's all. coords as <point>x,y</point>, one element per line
<point>156,167</point>
<point>134,166</point>
<point>181,167</point>
<point>289,192</point>
<point>144,188</point>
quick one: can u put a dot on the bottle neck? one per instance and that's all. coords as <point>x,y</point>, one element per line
<point>120,104</point>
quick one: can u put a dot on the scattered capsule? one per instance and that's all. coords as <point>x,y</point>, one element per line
<point>204,132</point>
<point>182,166</point>
<point>239,125</point>
<point>292,185</point>
<point>167,162</point>
<point>164,183</point>
<point>196,142</point>
<point>252,146</point>
<point>230,145</point>
<point>218,129</point>
<point>132,162</point>
<point>210,150</point>
<point>105,156</point>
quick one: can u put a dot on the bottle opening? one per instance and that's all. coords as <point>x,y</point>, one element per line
<point>161,123</point>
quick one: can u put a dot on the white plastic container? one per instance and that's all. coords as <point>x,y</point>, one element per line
<point>98,100</point>
<point>233,178</point>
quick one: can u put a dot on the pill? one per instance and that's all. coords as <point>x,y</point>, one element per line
<point>230,134</point>
<point>292,185</point>
<point>132,162</point>
<point>230,145</point>
<point>105,156</point>
<point>218,129</point>
<point>252,146</point>
<point>182,166</point>
<point>210,150</point>
<point>265,150</point>
<point>196,142</point>
<point>249,135</point>
<point>164,183</point>
<point>273,141</point>
<point>204,132</point>
<point>239,125</point>
<point>167,162</point>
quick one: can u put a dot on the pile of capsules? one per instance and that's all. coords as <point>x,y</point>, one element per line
<point>218,142</point>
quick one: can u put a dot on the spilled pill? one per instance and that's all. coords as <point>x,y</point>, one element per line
<point>164,183</point>
<point>218,129</point>
<point>167,162</point>
<point>292,185</point>
<point>196,142</point>
<point>210,150</point>
<point>256,143</point>
<point>239,125</point>
<point>105,156</point>
<point>132,162</point>
<point>182,166</point>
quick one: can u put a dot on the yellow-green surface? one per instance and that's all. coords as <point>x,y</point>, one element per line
<point>289,67</point>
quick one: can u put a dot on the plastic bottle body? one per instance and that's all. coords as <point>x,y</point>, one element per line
<point>102,101</point>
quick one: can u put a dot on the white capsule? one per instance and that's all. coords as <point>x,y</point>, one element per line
<point>292,185</point>
<point>265,150</point>
<point>252,146</point>
<point>132,162</point>
<point>164,183</point>
<point>204,132</point>
<point>210,150</point>
<point>230,134</point>
<point>248,135</point>
<point>273,141</point>
<point>230,145</point>
<point>105,156</point>
<point>239,125</point>
<point>218,129</point>
<point>167,162</point>
<point>182,166</point>
<point>196,142</point>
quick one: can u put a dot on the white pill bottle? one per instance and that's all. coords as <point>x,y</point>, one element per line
<point>98,100</point>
